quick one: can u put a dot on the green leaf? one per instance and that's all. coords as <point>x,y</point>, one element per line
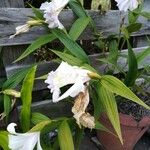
<point>65,136</point>
<point>79,134</point>
<point>71,45</point>
<point>77,8</point>
<point>38,13</point>
<point>78,27</point>
<point>40,126</point>
<point>132,67</point>
<point>132,17</point>
<point>134,27</point>
<point>98,106</point>
<point>114,85</point>
<point>7,106</point>
<point>38,117</point>
<point>107,98</point>
<point>43,77</point>
<point>15,79</point>
<point>142,55</point>
<point>37,44</point>
<point>145,14</point>
<point>26,97</point>
<point>99,126</point>
<point>113,52</point>
<point>68,58</point>
<point>2,81</point>
<point>4,140</point>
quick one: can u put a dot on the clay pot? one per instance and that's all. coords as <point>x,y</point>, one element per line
<point>132,131</point>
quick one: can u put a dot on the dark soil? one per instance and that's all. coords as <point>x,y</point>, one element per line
<point>133,109</point>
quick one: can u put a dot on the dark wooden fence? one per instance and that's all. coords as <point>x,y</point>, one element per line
<point>13,14</point>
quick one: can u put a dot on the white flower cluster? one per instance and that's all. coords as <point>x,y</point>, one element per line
<point>51,12</point>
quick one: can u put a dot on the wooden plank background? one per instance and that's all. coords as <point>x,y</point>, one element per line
<point>107,23</point>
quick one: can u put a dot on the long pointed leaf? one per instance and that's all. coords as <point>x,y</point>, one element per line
<point>65,137</point>
<point>71,45</point>
<point>37,44</point>
<point>78,27</point>
<point>107,98</point>
<point>68,58</point>
<point>132,67</point>
<point>7,105</point>
<point>4,140</point>
<point>116,86</point>
<point>77,8</point>
<point>15,79</point>
<point>26,97</point>
<point>145,53</point>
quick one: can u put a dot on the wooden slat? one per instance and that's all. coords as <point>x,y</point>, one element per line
<point>50,109</point>
<point>12,3</point>
<point>107,23</point>
<point>142,40</point>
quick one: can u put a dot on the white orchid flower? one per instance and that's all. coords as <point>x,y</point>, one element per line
<point>64,75</point>
<point>124,5</point>
<point>24,141</point>
<point>51,12</point>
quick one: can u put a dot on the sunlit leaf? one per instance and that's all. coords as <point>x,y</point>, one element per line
<point>38,117</point>
<point>78,27</point>
<point>71,45</point>
<point>114,85</point>
<point>4,140</point>
<point>132,67</point>
<point>65,136</point>
<point>107,98</point>
<point>37,44</point>
<point>26,97</point>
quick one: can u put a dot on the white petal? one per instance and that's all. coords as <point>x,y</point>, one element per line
<point>73,90</point>
<point>60,4</point>
<point>51,12</point>
<point>38,144</point>
<point>45,6</point>
<point>30,142</point>
<point>124,5</point>
<point>15,142</point>
<point>11,128</point>
<point>64,75</point>
<point>55,95</point>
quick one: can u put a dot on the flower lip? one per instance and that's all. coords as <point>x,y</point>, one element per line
<point>11,128</point>
<point>23,141</point>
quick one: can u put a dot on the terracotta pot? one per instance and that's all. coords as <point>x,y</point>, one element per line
<point>132,131</point>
